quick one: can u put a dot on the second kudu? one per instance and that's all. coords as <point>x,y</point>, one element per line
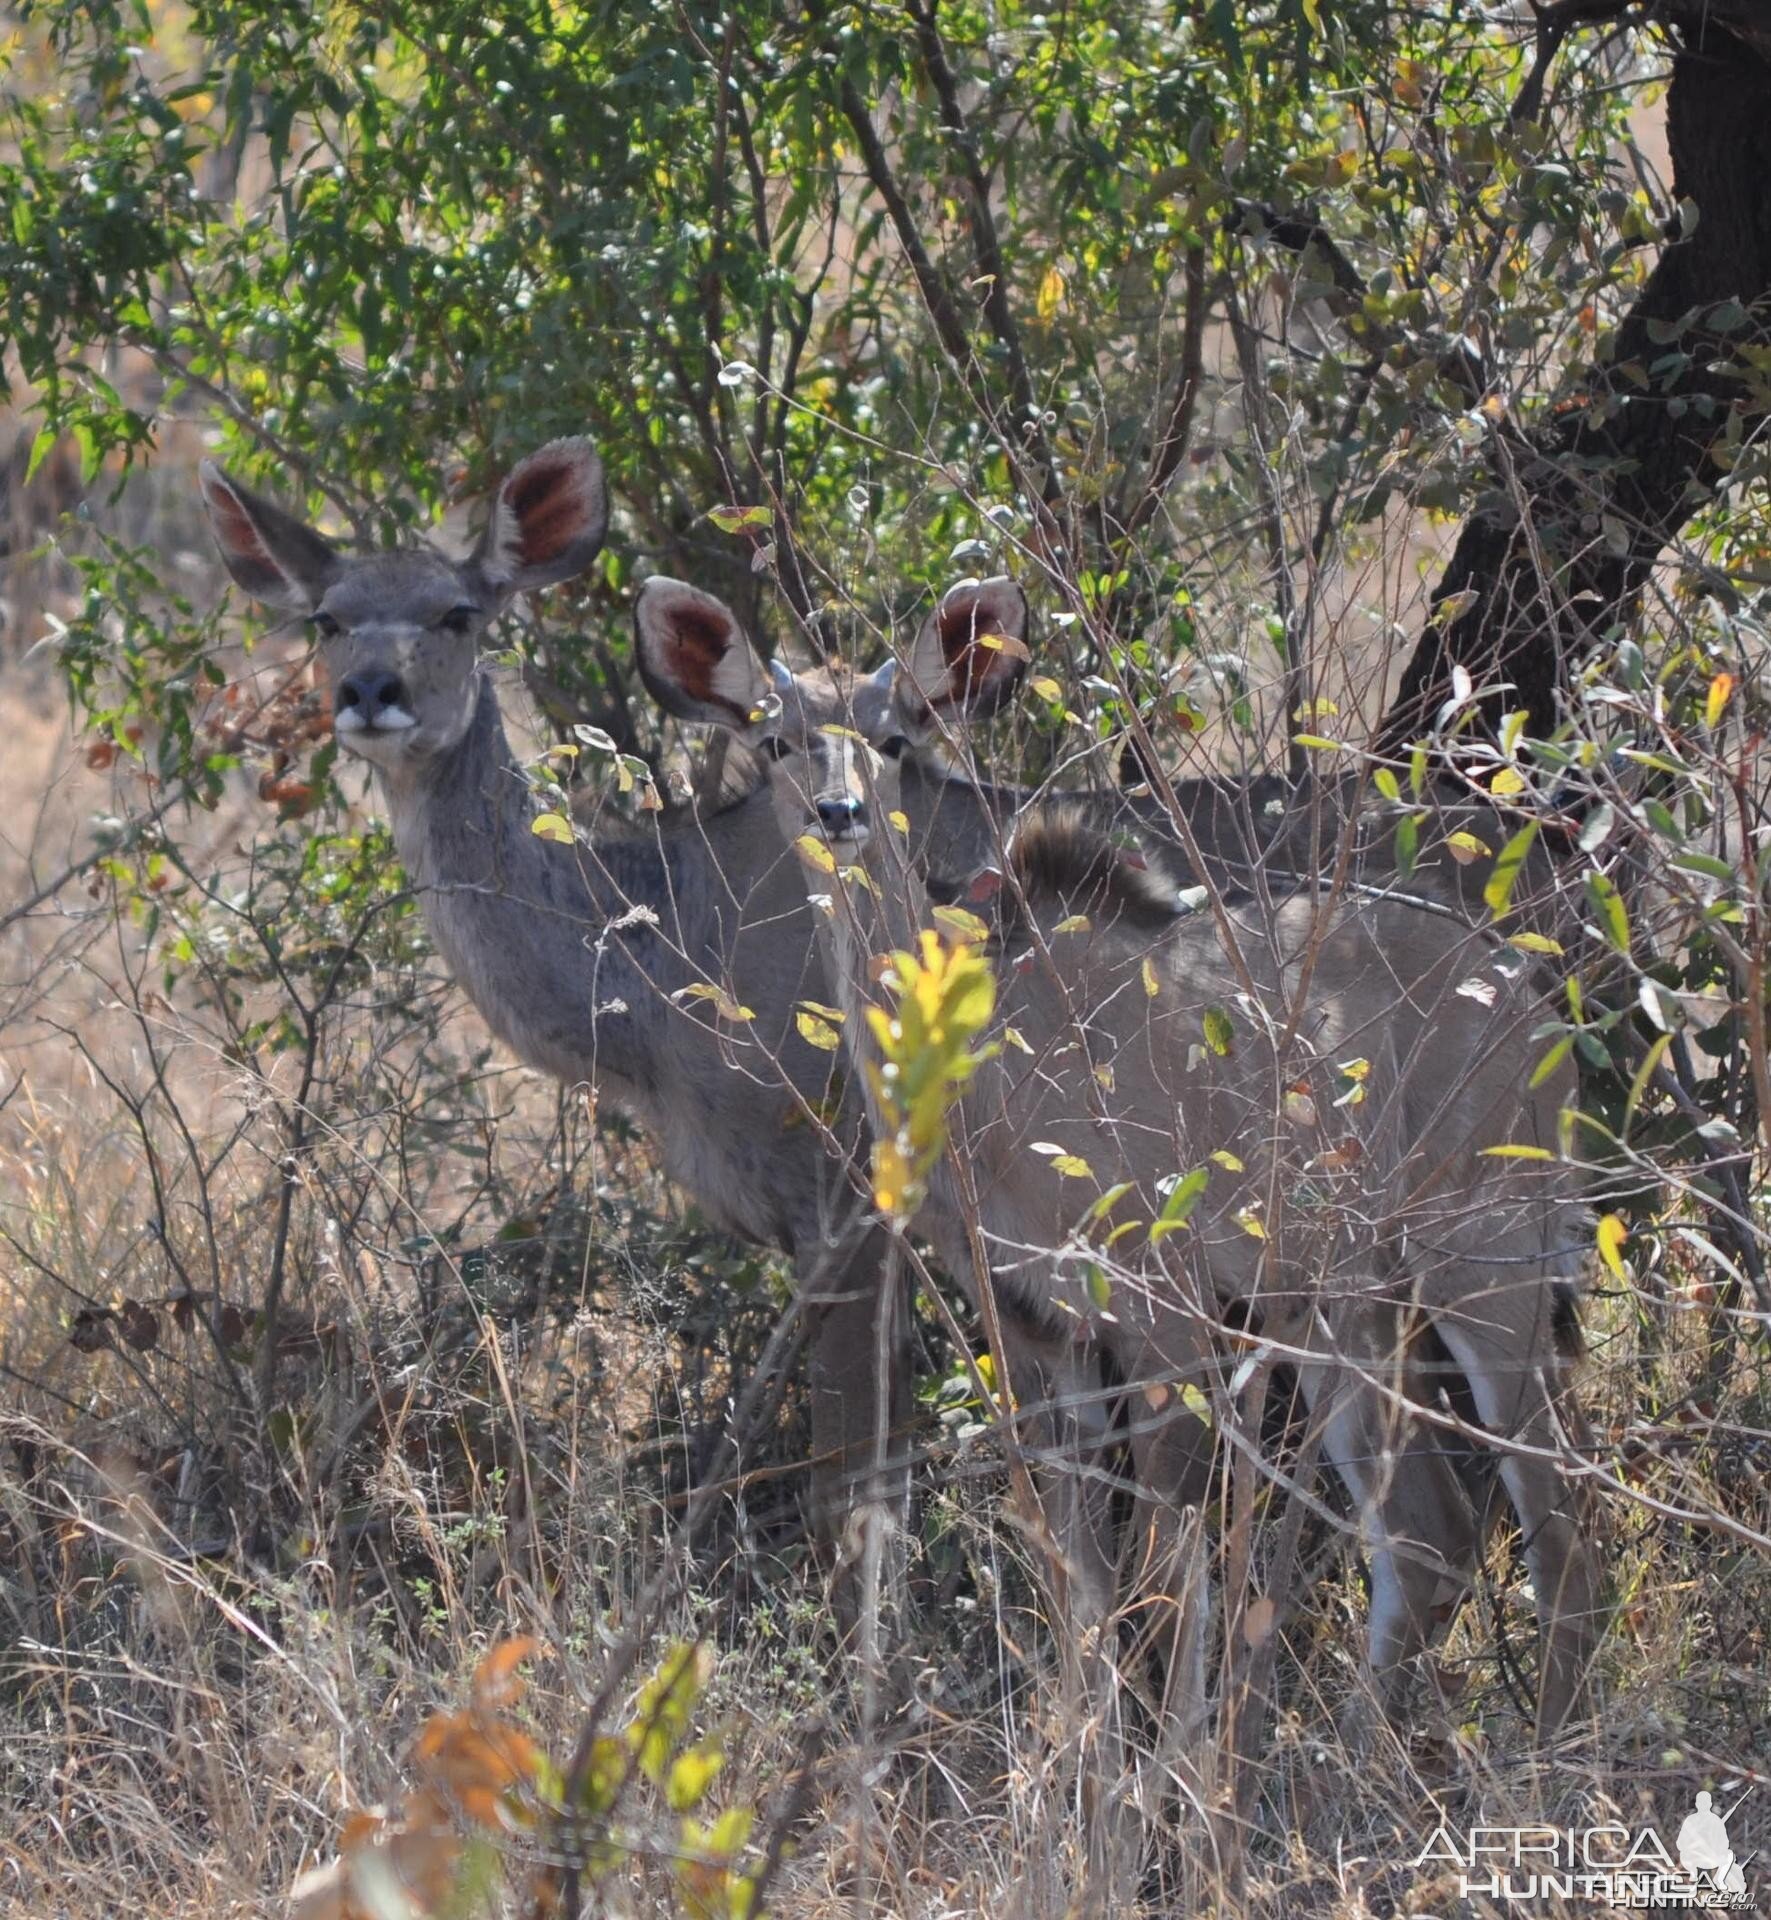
<point>578,955</point>
<point>1329,1079</point>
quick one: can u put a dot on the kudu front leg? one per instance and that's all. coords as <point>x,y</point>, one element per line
<point>857,1338</point>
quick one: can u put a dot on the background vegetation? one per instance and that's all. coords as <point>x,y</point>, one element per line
<point>336,1348</point>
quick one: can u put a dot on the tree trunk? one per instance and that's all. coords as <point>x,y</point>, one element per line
<point>1558,554</point>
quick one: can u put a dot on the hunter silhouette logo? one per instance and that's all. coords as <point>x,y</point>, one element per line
<point>1626,1869</point>
<point>1704,1849</point>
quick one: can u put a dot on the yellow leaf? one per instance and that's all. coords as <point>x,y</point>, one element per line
<point>1070,1165</point>
<point>1046,688</point>
<point>1535,943</point>
<point>817,1032</point>
<point>1075,923</point>
<point>961,924</point>
<point>1515,1150</point>
<point>1250,1224</point>
<point>1465,847</point>
<point>1227,1160</point>
<point>1611,1235</point>
<point>1220,1032</point>
<point>1051,293</point>
<point>1716,702</point>
<point>1196,1403</point>
<point>1507,781</point>
<point>899,819</point>
<point>1152,986</point>
<point>723,1004</point>
<point>814,853</point>
<point>1317,743</point>
<point>552,826</point>
<point>1005,643</point>
<point>1016,1039</point>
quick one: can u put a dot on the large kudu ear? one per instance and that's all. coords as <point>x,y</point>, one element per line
<point>695,660</point>
<point>274,556</point>
<point>548,520</point>
<point>968,658</point>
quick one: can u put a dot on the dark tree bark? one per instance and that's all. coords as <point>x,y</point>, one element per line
<point>1560,551</point>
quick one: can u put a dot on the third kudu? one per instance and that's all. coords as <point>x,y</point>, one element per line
<point>1340,1071</point>
<point>578,956</point>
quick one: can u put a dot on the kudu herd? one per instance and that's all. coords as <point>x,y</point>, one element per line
<point>1338,1066</point>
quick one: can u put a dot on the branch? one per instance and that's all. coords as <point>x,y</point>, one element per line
<point>1530,588</point>
<point>1299,232</point>
<point>1177,436</point>
<point>986,247</point>
<point>936,294</point>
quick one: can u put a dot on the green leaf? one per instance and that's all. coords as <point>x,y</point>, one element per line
<point>1607,903</point>
<point>1644,1075</point>
<point>1498,893</point>
<point>1220,1033</point>
<point>1552,1060</point>
<point>1178,1205</point>
<point>741,519</point>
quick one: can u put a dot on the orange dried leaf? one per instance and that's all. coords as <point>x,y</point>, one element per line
<point>496,1682</point>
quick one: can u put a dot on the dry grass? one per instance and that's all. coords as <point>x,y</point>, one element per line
<point>502,1353</point>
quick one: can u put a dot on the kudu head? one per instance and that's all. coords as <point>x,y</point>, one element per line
<point>832,738</point>
<point>400,632</point>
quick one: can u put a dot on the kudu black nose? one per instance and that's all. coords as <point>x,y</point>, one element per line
<point>371,693</point>
<point>838,815</point>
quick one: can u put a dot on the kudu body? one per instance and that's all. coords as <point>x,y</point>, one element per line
<point>576,954</point>
<point>1258,830</point>
<point>1346,1065</point>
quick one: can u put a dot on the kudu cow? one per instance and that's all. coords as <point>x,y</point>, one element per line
<point>1340,1071</point>
<point>578,955</point>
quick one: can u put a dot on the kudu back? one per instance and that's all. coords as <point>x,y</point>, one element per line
<point>579,956</point>
<point>1336,1073</point>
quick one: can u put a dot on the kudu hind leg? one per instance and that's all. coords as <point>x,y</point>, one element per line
<point>1172,1465</point>
<point>1420,1529</point>
<point>1503,1340</point>
<point>1172,1452</point>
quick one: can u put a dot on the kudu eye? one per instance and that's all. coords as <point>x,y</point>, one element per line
<point>774,747</point>
<point>890,749</point>
<point>324,625</point>
<point>459,619</point>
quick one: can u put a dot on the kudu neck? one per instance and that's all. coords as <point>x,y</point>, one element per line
<point>877,904</point>
<point>468,795</point>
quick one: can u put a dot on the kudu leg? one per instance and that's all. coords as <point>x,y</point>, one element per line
<point>1172,1455</point>
<point>1065,1428</point>
<point>856,1311</point>
<point>1421,1531</point>
<point>1503,1341</point>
